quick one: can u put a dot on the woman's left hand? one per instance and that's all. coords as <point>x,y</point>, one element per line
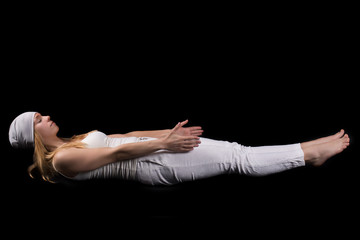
<point>188,131</point>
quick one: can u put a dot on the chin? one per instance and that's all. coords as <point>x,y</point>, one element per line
<point>56,129</point>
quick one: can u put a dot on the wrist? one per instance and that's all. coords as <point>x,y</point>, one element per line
<point>160,143</point>
<point>165,133</point>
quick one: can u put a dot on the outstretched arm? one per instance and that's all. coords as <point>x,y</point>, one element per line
<point>183,131</point>
<point>154,134</point>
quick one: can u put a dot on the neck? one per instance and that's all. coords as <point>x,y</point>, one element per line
<point>53,144</point>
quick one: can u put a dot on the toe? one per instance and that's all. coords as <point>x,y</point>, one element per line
<point>341,133</point>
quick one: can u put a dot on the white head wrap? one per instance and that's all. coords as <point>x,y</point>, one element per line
<point>21,132</point>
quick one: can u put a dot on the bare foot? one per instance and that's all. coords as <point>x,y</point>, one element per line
<point>324,139</point>
<point>317,154</point>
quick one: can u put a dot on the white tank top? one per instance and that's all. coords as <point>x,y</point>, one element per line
<point>121,169</point>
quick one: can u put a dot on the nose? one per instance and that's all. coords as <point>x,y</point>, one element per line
<point>47,118</point>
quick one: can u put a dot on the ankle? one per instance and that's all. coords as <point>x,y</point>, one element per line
<point>311,155</point>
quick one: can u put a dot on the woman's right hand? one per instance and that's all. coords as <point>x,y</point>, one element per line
<point>178,143</point>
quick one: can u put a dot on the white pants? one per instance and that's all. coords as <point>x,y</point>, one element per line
<point>213,158</point>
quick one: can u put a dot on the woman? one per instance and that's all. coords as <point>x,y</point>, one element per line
<point>162,157</point>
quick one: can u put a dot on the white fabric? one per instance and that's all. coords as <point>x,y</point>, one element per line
<point>21,131</point>
<point>211,158</point>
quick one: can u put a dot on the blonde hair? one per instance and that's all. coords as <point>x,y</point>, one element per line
<point>43,158</point>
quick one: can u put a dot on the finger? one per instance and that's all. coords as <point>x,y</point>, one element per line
<point>195,128</point>
<point>184,122</point>
<point>189,138</point>
<point>196,140</point>
<point>191,144</point>
<point>187,149</point>
<point>176,127</point>
<point>197,133</point>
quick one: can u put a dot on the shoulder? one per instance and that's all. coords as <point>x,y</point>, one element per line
<point>68,155</point>
<point>63,154</point>
<point>64,159</point>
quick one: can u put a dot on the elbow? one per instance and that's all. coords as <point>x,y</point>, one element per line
<point>121,154</point>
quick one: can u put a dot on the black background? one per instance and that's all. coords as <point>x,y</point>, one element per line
<point>259,75</point>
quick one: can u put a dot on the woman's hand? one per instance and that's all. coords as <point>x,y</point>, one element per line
<point>188,131</point>
<point>180,143</point>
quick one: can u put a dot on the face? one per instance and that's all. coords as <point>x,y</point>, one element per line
<point>44,126</point>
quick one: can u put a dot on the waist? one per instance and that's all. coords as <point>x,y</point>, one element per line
<point>121,170</point>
